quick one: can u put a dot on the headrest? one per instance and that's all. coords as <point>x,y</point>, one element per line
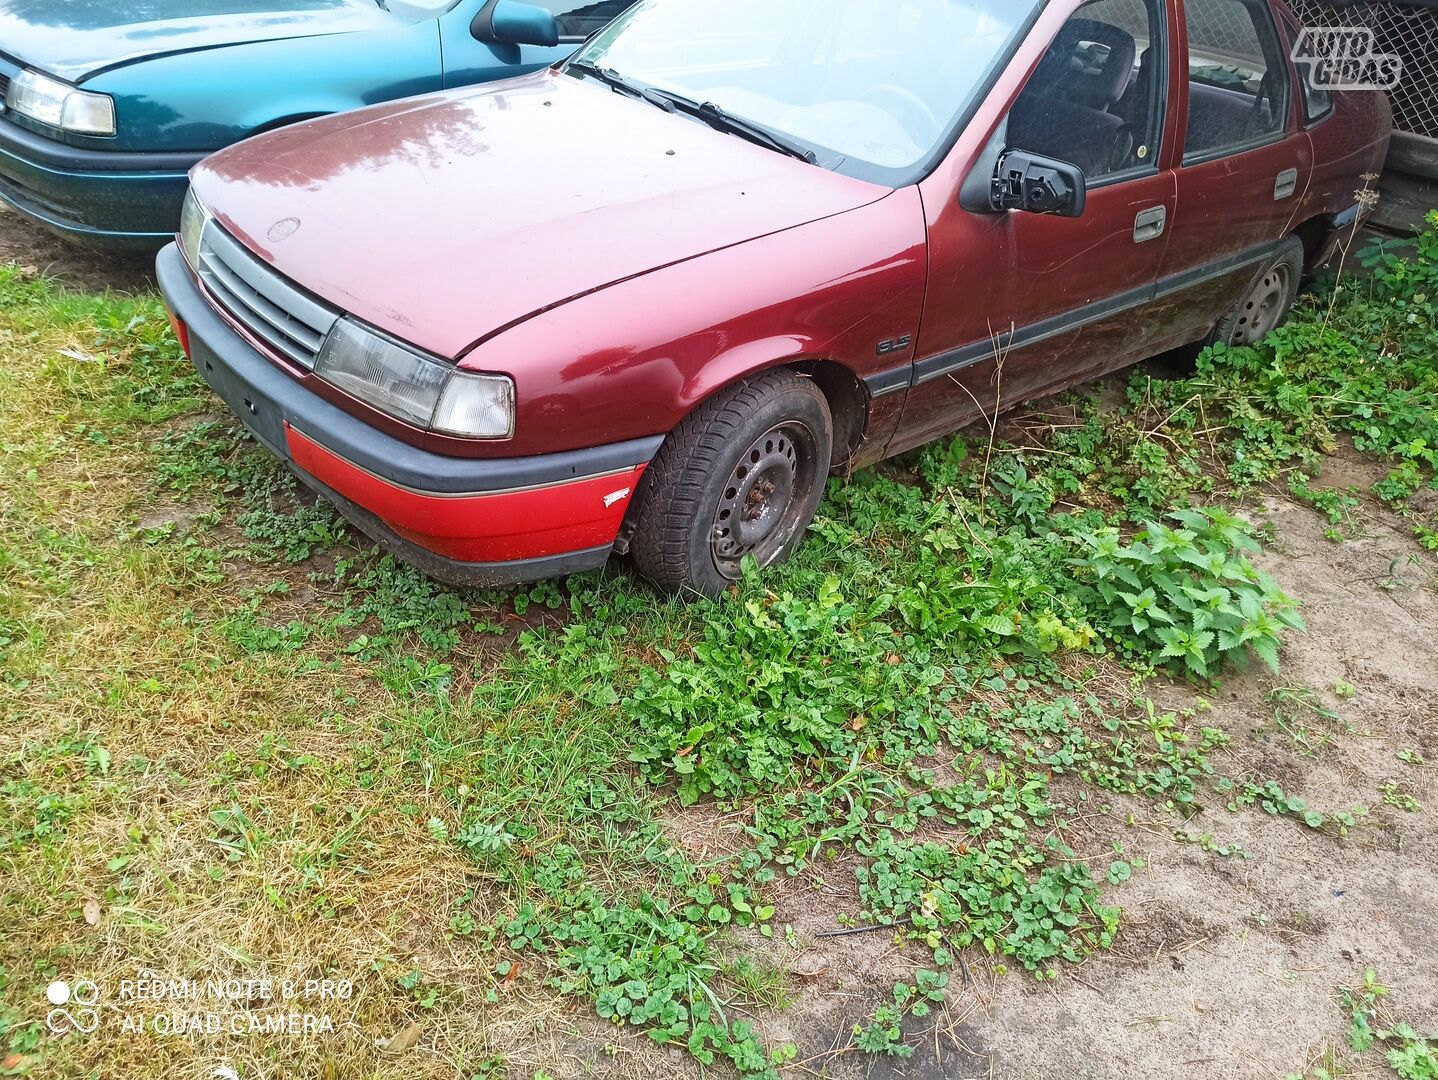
<point>1107,88</point>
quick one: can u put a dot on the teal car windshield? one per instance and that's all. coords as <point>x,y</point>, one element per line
<point>874,87</point>
<point>419,7</point>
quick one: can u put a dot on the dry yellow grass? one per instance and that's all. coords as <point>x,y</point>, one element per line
<point>180,808</point>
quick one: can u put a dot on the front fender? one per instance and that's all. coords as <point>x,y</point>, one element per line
<point>633,359</point>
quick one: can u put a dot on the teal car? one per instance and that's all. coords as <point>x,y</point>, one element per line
<point>106,104</point>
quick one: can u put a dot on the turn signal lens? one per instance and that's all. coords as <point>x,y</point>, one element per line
<point>476,406</point>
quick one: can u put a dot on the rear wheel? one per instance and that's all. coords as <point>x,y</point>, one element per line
<point>740,478</point>
<point>1265,307</point>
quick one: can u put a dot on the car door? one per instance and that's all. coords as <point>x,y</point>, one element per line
<point>1246,162</point>
<point>1019,303</point>
<point>468,60</point>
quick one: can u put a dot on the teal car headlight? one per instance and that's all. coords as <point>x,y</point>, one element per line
<point>60,105</point>
<point>413,388</point>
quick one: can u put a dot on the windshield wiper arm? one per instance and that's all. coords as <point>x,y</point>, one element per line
<point>618,82</point>
<point>722,120</point>
<point>706,111</point>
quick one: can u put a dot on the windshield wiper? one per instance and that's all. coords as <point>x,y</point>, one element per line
<point>706,111</point>
<point>721,120</point>
<point>619,83</point>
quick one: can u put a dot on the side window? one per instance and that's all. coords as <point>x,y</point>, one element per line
<point>1097,97</point>
<point>1317,103</point>
<point>1237,77</point>
<point>580,18</point>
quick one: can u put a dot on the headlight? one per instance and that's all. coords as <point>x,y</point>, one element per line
<point>194,216</point>
<point>60,105</point>
<point>424,392</point>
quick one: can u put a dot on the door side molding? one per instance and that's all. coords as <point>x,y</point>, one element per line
<point>952,360</point>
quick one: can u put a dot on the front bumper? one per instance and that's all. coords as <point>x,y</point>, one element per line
<point>472,522</point>
<point>116,200</point>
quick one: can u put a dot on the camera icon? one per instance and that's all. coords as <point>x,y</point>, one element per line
<point>74,1006</point>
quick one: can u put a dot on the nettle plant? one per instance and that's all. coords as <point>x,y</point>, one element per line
<point>1188,595</point>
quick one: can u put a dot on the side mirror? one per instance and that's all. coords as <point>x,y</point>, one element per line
<point>511,22</point>
<point>1037,184</point>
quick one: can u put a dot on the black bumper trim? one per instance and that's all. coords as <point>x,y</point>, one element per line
<point>69,228</point>
<point>245,372</point>
<point>39,150</point>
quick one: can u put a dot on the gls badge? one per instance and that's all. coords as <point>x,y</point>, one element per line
<point>893,345</point>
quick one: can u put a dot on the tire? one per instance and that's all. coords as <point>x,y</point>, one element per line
<point>1265,307</point>
<point>740,477</point>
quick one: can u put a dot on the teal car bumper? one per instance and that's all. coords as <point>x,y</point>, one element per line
<point>114,200</point>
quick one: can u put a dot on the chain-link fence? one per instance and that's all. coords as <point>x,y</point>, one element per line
<point>1409,31</point>
<point>1223,30</point>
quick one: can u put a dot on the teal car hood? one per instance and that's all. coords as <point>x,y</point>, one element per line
<point>74,39</point>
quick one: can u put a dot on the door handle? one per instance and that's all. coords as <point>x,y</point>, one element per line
<point>1285,185</point>
<point>1149,224</point>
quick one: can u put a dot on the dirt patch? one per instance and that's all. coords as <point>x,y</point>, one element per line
<point>45,253</point>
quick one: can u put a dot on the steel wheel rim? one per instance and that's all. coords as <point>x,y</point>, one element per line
<point>1264,307</point>
<point>759,507</point>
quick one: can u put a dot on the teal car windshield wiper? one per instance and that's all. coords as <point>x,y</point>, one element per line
<point>721,120</point>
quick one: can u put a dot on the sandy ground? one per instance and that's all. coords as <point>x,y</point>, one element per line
<point>1226,967</point>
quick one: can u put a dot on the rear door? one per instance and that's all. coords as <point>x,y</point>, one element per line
<point>1246,163</point>
<point>1019,303</point>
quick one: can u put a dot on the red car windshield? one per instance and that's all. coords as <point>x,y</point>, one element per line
<point>874,87</point>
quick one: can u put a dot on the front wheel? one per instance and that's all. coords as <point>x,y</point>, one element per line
<point>740,478</point>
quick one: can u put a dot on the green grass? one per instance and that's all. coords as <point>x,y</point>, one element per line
<point>251,745</point>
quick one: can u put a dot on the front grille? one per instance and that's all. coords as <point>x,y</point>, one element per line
<point>4,86</point>
<point>264,303</point>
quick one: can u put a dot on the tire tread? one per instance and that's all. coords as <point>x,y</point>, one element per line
<point>673,483</point>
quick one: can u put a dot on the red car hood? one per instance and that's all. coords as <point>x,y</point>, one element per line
<point>447,218</point>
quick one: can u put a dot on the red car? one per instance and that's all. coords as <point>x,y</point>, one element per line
<point>647,300</point>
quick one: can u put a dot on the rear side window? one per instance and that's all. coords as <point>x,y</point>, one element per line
<point>1317,102</point>
<point>580,18</point>
<point>1237,78</point>
<point>1096,99</point>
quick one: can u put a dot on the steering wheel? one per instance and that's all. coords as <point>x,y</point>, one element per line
<point>911,109</point>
